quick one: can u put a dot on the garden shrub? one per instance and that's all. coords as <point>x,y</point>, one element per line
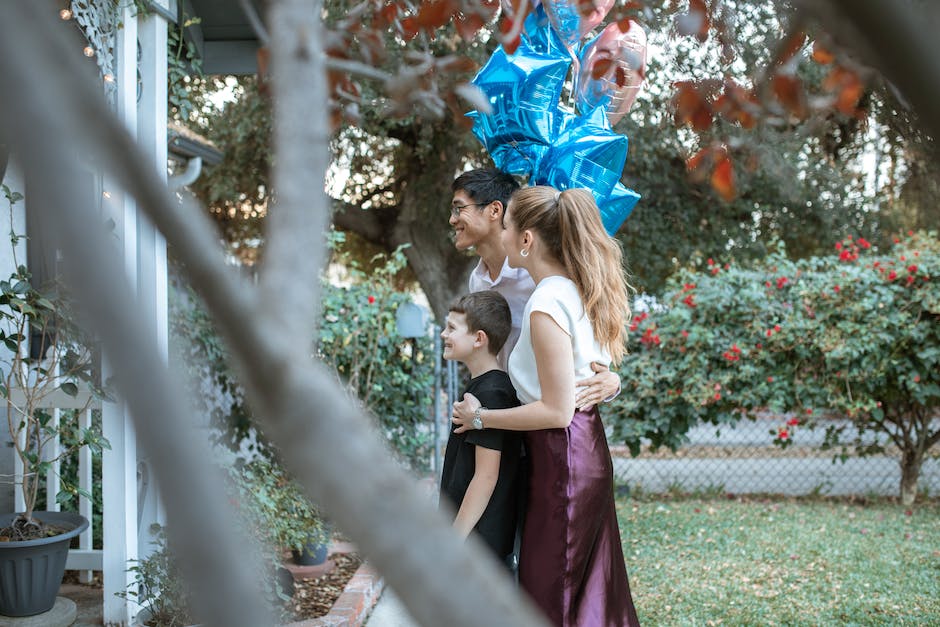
<point>855,334</point>
<point>392,377</point>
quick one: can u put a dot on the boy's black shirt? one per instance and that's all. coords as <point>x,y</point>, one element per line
<point>497,525</point>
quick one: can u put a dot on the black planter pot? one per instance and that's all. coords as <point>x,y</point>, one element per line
<point>31,572</point>
<point>313,554</point>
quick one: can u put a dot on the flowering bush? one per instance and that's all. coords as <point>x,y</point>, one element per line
<point>391,376</point>
<point>855,333</point>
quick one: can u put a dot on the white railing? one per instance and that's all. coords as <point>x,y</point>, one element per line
<point>84,558</point>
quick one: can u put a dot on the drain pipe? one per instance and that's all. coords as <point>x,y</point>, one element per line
<point>188,176</point>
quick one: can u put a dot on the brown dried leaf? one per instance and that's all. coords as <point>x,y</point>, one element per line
<point>789,91</point>
<point>723,179</point>
<point>821,55</point>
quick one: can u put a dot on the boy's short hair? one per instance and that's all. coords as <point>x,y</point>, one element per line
<point>486,311</point>
<point>487,185</point>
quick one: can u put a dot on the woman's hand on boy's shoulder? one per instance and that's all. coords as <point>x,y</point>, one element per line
<point>462,416</point>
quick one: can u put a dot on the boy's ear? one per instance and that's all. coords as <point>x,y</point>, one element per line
<point>480,339</point>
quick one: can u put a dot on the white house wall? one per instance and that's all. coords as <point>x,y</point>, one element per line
<point>14,180</point>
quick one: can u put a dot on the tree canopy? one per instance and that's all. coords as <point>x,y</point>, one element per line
<point>739,137</point>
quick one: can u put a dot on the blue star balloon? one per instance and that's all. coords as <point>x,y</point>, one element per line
<point>529,133</point>
<point>617,207</point>
<point>585,154</point>
<point>524,90</point>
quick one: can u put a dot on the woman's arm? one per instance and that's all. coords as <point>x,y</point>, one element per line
<point>555,362</point>
<point>479,491</point>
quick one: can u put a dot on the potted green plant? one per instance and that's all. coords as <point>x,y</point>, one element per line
<point>41,353</point>
<point>278,512</point>
<point>159,588</point>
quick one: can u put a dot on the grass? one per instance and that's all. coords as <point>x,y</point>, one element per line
<point>777,561</point>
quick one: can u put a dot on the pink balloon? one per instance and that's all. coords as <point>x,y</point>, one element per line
<point>568,21</point>
<point>617,50</point>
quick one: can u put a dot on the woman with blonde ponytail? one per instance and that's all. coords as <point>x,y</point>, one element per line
<point>571,561</point>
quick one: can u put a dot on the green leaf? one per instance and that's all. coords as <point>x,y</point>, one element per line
<point>69,388</point>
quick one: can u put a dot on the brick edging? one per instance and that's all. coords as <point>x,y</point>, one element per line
<point>352,607</point>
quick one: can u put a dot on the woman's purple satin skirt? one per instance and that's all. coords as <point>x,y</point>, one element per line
<point>571,561</point>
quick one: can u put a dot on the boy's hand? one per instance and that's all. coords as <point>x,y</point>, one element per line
<point>463,413</point>
<point>597,389</point>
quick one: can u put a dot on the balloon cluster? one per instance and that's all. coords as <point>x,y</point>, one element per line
<point>531,132</point>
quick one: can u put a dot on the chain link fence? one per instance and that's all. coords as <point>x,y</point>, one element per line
<point>741,459</point>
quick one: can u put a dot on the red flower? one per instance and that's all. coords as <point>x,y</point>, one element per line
<point>371,299</point>
<point>759,346</point>
<point>711,261</point>
<point>809,411</point>
<point>910,280</point>
<point>836,289</point>
<point>783,434</point>
<point>903,258</point>
<point>864,243</point>
<point>777,328</point>
<point>770,379</point>
<point>684,333</point>
<point>689,300</point>
<point>770,332</point>
<point>688,286</point>
<point>727,266</point>
<point>717,396</point>
<point>793,422</point>
<point>916,378</point>
<point>715,270</point>
<point>912,268</point>
<point>768,284</point>
<point>911,233</point>
<point>781,282</point>
<point>838,245</point>
<point>892,275</point>
<point>735,349</point>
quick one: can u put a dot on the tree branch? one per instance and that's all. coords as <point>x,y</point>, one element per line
<point>326,442</point>
<point>298,217</point>
<point>41,118</point>
<point>362,222</point>
<point>906,50</point>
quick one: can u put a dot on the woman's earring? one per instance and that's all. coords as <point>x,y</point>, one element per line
<point>524,253</point>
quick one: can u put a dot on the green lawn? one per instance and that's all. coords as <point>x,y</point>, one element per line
<point>718,561</point>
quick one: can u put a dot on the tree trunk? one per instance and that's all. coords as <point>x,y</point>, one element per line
<point>912,457</point>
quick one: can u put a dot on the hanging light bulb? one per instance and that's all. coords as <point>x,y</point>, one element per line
<point>89,51</point>
<point>65,14</point>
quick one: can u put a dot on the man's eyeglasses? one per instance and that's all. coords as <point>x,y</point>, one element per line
<point>456,209</point>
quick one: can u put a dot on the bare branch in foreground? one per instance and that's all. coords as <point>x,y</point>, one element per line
<point>299,216</point>
<point>897,38</point>
<point>327,443</point>
<point>39,121</point>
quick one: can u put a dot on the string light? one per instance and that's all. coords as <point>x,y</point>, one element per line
<point>108,78</point>
<point>65,14</point>
<point>89,51</point>
<point>106,194</point>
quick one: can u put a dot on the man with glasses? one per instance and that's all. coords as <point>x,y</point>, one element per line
<point>476,215</point>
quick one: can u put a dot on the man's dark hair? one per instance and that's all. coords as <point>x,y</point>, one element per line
<point>486,311</point>
<point>485,185</point>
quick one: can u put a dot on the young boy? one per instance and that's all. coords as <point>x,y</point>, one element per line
<point>481,467</point>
